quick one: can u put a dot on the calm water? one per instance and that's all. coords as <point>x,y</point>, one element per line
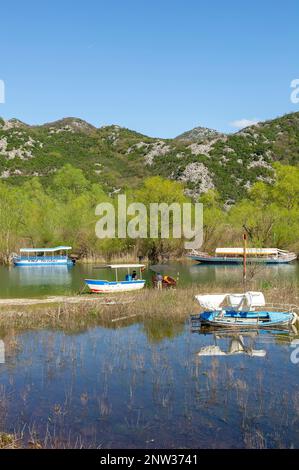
<point>38,281</point>
<point>145,385</point>
<point>151,384</point>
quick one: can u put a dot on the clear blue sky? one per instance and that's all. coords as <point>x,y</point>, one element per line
<point>159,67</point>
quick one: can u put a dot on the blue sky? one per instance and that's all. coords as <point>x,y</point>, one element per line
<point>158,67</point>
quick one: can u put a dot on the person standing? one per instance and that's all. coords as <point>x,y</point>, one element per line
<point>159,280</point>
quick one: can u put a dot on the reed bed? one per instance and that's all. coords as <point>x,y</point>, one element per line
<point>173,305</point>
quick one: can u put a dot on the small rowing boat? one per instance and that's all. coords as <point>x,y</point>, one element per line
<point>242,310</point>
<point>130,283</point>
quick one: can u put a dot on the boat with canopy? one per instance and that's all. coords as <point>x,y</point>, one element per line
<point>130,283</point>
<point>43,257</point>
<point>243,310</point>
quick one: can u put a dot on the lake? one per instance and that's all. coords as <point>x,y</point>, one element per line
<point>144,385</point>
<point>151,383</point>
<point>40,281</point>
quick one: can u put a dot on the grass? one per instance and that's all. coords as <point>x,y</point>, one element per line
<point>174,305</point>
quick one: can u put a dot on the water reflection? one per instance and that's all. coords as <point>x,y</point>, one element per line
<point>134,387</point>
<point>30,282</point>
<point>35,281</point>
<point>236,344</point>
<point>41,275</point>
<point>231,273</point>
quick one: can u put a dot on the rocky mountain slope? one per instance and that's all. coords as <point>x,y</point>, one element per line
<point>116,157</point>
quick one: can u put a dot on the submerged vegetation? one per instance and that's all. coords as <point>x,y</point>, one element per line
<point>129,376</point>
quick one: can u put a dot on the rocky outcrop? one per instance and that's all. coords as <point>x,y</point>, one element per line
<point>200,177</point>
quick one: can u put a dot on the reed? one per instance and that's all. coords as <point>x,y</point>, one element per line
<point>169,306</point>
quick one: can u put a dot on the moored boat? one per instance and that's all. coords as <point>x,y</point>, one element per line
<point>130,283</point>
<point>243,310</point>
<point>43,257</point>
<point>236,256</point>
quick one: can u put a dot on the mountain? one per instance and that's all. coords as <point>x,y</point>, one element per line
<point>198,134</point>
<point>117,157</point>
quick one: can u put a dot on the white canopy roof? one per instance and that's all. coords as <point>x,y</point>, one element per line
<point>45,250</point>
<point>236,301</point>
<point>249,251</point>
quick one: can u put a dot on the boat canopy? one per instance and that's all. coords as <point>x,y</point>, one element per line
<point>126,266</point>
<point>236,301</point>
<point>45,250</point>
<point>249,251</point>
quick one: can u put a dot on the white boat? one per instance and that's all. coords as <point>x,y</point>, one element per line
<point>236,256</point>
<point>128,284</point>
<point>43,257</point>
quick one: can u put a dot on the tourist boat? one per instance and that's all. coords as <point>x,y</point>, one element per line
<point>236,256</point>
<point>242,310</point>
<point>128,284</point>
<point>43,257</point>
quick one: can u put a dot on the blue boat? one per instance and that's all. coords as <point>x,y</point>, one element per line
<point>242,310</point>
<point>44,257</point>
<point>236,256</point>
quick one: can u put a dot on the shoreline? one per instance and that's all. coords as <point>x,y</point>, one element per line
<point>90,309</point>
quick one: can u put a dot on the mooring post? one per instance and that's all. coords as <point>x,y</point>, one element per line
<point>244,260</point>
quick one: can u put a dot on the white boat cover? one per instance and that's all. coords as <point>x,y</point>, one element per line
<point>211,301</point>
<point>237,301</point>
<point>255,299</point>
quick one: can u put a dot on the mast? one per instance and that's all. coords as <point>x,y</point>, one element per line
<point>244,260</point>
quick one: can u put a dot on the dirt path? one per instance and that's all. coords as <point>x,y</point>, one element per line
<point>65,300</point>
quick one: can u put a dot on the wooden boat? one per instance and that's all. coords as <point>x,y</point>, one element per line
<point>236,256</point>
<point>128,284</point>
<point>242,310</point>
<point>43,257</point>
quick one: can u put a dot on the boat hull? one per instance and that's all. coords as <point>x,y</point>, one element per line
<point>106,287</point>
<point>43,262</point>
<point>239,260</point>
<point>234,319</point>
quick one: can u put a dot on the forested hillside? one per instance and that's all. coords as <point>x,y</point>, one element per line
<point>119,158</point>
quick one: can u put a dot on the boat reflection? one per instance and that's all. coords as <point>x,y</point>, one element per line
<point>236,345</point>
<point>39,275</point>
<point>220,273</point>
<point>229,343</point>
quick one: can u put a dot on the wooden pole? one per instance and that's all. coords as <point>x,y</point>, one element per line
<point>244,260</point>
